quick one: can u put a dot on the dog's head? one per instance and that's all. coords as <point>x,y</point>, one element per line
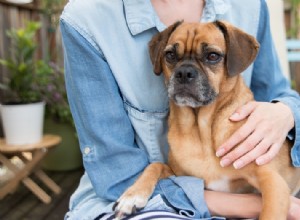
<point>197,59</point>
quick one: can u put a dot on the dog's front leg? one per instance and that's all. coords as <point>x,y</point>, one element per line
<point>275,194</point>
<point>137,196</point>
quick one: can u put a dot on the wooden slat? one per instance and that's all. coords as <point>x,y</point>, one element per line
<point>47,181</point>
<point>37,190</point>
<point>59,205</point>
<point>24,205</point>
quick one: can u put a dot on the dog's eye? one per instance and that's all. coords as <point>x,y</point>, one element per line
<point>213,57</point>
<point>170,56</point>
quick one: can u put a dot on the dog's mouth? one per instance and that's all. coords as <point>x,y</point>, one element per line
<point>191,95</point>
<point>185,99</point>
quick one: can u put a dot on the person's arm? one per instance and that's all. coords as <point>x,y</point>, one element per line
<point>233,205</point>
<point>105,134</point>
<point>275,114</point>
<point>243,205</point>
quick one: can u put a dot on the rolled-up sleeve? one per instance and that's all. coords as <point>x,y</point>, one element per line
<point>186,195</point>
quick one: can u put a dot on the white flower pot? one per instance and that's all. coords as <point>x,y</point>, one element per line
<point>23,123</point>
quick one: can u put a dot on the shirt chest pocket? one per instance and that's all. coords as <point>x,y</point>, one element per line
<point>150,131</point>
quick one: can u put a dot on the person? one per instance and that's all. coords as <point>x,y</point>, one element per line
<point>120,107</point>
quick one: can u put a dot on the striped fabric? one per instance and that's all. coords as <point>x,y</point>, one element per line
<point>147,215</point>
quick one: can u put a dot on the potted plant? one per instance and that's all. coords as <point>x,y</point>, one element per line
<point>22,109</point>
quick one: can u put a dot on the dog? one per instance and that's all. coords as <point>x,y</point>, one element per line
<point>201,63</point>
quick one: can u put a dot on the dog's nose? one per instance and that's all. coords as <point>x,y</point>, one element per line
<point>185,74</point>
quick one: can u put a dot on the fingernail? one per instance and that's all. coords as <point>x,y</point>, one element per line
<point>259,161</point>
<point>224,162</point>
<point>220,152</point>
<point>238,164</point>
<point>235,115</point>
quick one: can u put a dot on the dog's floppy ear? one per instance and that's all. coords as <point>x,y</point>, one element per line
<point>157,46</point>
<point>242,48</point>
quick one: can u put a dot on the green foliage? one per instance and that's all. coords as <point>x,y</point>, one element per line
<point>25,74</point>
<point>30,79</point>
<point>294,2</point>
<point>51,10</point>
<point>51,6</point>
<point>295,28</point>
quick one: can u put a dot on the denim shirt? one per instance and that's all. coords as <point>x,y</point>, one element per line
<point>120,106</point>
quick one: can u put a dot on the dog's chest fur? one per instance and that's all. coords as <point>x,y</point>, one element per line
<point>192,157</point>
<point>221,184</point>
<point>193,143</point>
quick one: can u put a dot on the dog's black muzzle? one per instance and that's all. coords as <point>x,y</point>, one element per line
<point>185,74</point>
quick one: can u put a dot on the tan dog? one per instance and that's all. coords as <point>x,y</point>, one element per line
<point>202,65</point>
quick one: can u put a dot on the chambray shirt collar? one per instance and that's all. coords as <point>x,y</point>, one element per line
<point>141,16</point>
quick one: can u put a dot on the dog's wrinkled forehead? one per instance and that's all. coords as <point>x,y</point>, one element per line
<point>189,38</point>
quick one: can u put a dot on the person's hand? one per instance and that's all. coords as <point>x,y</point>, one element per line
<point>260,138</point>
<point>294,211</point>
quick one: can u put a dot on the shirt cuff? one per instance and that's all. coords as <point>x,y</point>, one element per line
<point>294,134</point>
<point>184,194</point>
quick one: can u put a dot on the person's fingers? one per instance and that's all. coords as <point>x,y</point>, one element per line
<point>252,155</point>
<point>243,111</point>
<point>238,136</point>
<point>271,153</point>
<point>246,146</point>
<point>294,211</point>
<point>295,200</point>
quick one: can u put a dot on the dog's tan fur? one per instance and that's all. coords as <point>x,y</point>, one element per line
<point>196,132</point>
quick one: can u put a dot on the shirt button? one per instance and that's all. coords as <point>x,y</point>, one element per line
<point>87,150</point>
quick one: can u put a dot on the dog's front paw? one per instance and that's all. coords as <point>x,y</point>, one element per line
<point>130,202</point>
